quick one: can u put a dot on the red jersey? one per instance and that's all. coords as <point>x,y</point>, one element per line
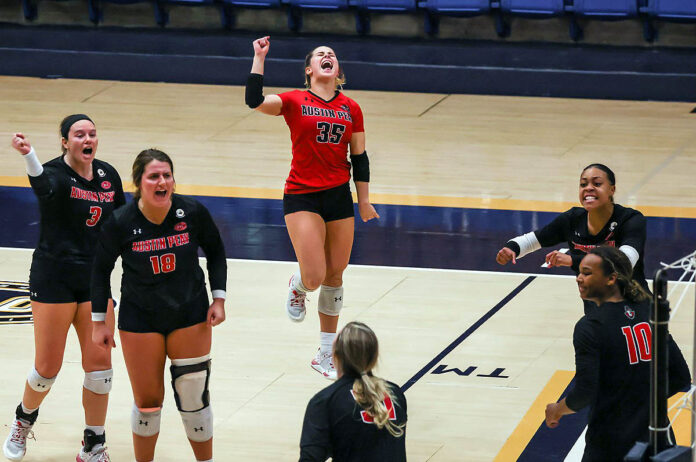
<point>320,132</point>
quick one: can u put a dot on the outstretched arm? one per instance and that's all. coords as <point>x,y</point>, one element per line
<point>254,98</point>
<point>40,182</point>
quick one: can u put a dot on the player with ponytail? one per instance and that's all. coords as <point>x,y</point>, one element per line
<point>612,358</point>
<point>361,417</point>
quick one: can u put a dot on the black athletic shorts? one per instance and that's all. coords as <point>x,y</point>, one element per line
<point>163,321</point>
<point>52,281</point>
<point>330,204</point>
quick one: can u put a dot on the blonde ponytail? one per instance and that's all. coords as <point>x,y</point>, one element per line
<point>370,393</point>
<point>355,352</point>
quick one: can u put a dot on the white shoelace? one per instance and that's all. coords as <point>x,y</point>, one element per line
<point>20,433</point>
<point>101,452</point>
<point>298,299</point>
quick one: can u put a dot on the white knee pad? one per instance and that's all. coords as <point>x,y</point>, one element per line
<point>145,423</point>
<point>39,383</point>
<point>190,379</point>
<point>330,300</point>
<point>99,382</point>
<point>198,424</point>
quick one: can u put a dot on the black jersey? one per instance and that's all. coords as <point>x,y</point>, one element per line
<point>335,426</point>
<point>625,227</point>
<point>160,262</point>
<point>612,361</point>
<point>73,209</point>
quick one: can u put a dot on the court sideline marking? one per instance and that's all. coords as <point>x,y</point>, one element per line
<point>410,382</point>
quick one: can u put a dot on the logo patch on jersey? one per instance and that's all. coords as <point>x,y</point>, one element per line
<point>368,419</point>
<point>613,226</point>
<point>345,107</point>
<point>629,312</point>
<point>179,213</point>
<point>15,306</point>
<point>105,185</point>
<point>101,172</point>
<point>180,226</point>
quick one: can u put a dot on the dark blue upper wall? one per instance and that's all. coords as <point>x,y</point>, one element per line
<point>217,57</point>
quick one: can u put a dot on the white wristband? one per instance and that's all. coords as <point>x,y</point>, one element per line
<point>631,253</point>
<point>34,167</point>
<point>98,316</point>
<point>528,243</point>
<point>219,294</point>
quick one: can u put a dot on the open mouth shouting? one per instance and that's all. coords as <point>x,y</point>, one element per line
<point>327,64</point>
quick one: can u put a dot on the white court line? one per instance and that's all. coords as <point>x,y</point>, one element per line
<point>395,268</point>
<point>576,452</point>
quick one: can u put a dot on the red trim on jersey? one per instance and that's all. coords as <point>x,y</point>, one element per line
<point>588,248</point>
<point>320,132</point>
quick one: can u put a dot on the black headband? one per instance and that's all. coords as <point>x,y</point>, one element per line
<point>69,121</point>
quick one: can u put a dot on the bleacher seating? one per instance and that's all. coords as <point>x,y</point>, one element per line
<point>600,9</point>
<point>666,10</point>
<point>533,8</point>
<point>162,10</point>
<point>96,8</point>
<point>229,5</point>
<point>30,9</point>
<point>436,8</point>
<point>295,8</point>
<point>364,7</point>
<point>526,8</point>
<point>433,10</point>
<point>678,10</point>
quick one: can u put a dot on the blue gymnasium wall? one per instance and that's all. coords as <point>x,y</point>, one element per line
<point>441,66</point>
<point>413,236</point>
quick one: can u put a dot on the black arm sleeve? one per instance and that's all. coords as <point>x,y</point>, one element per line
<point>361,167</point>
<point>514,246</point>
<point>679,377</point>
<point>315,445</point>
<point>633,233</point>
<point>555,232</point>
<point>253,96</point>
<point>211,243</point>
<point>586,366</point>
<point>551,234</point>
<point>106,253</point>
<point>42,185</point>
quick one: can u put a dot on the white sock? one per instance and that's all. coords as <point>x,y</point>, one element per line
<point>297,283</point>
<point>209,460</point>
<point>27,410</point>
<point>326,340</point>
<point>97,429</point>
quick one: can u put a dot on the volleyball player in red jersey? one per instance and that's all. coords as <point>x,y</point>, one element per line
<point>324,126</point>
